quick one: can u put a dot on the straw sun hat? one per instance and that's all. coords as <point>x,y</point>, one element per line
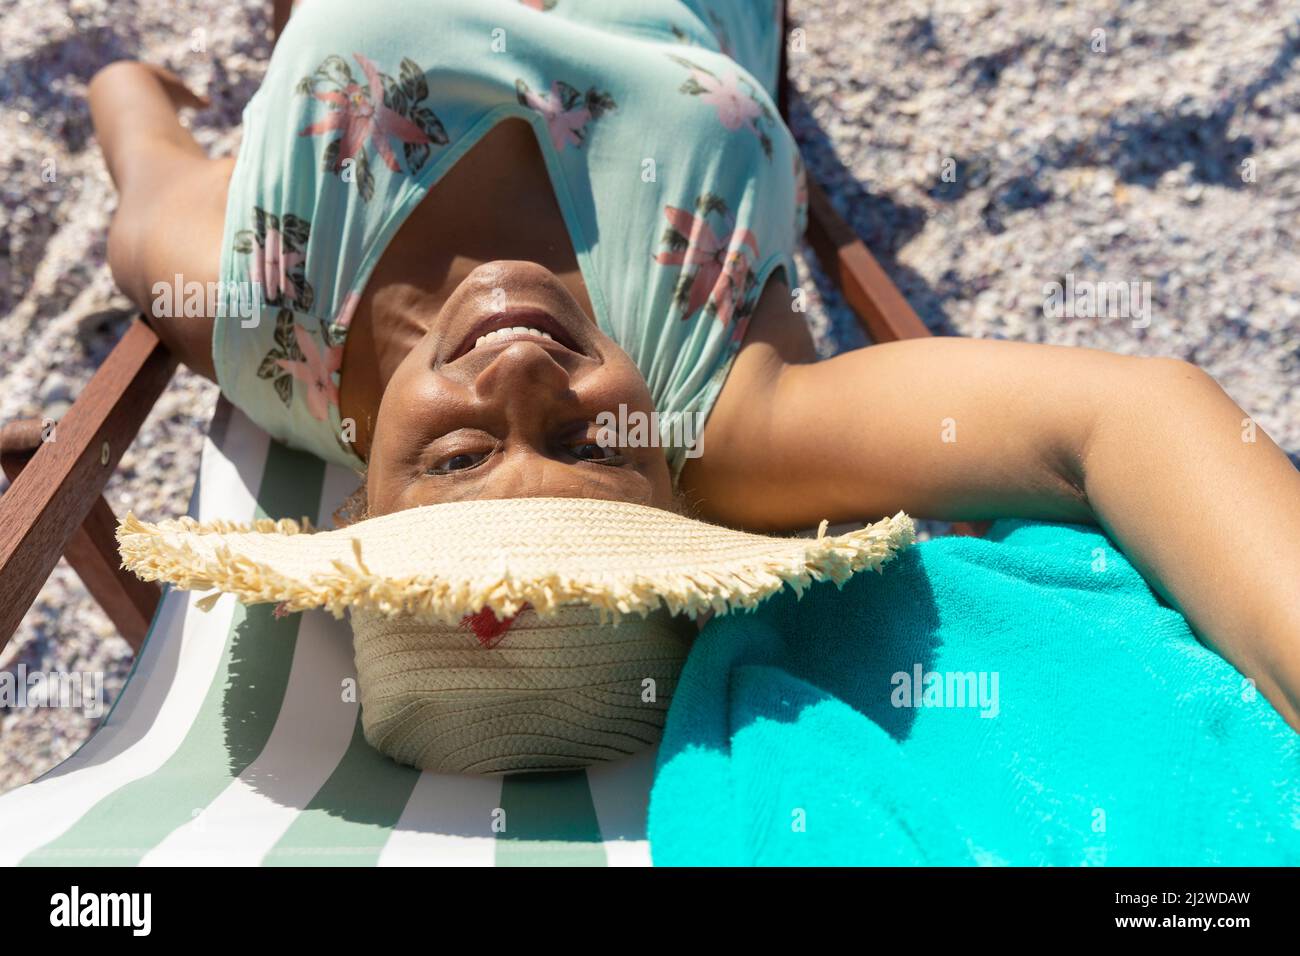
<point>509,634</point>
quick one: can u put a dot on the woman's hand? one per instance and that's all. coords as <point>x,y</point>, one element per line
<point>133,107</point>
<point>181,96</point>
<point>1205,505</point>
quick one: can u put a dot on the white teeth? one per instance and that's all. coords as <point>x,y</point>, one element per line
<point>506,333</point>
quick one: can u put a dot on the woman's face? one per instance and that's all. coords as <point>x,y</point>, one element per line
<point>477,412</point>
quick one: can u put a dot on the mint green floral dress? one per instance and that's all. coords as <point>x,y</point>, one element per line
<point>680,187</point>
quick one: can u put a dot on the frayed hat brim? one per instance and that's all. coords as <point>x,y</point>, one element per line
<point>447,560</point>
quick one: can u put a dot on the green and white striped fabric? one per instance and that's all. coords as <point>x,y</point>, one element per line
<point>237,739</point>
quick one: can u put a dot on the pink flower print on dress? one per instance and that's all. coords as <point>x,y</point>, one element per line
<point>567,111</point>
<point>565,125</point>
<point>733,97</point>
<point>359,111</point>
<point>378,112</point>
<point>717,272</point>
<point>316,371</point>
<point>276,247</point>
<point>736,108</point>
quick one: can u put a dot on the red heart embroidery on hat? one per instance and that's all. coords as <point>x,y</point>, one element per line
<point>487,627</point>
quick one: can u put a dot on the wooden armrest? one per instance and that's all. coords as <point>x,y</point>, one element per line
<point>54,505</point>
<point>875,299</point>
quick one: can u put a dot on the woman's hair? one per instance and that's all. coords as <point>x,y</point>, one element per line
<point>355,507</point>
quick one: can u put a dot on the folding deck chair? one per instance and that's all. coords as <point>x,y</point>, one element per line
<point>237,737</point>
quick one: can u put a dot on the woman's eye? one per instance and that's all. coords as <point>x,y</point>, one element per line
<point>458,462</point>
<point>593,451</point>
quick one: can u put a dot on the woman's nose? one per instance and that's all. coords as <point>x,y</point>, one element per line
<point>523,372</point>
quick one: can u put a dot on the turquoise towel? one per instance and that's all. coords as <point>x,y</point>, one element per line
<point>1106,734</point>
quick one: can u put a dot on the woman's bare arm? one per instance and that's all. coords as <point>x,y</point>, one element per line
<point>1200,499</point>
<point>171,197</point>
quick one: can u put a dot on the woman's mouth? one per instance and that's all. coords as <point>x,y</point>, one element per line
<point>516,325</point>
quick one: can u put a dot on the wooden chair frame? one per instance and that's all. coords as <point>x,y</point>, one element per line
<point>55,504</point>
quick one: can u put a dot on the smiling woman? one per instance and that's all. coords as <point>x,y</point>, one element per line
<point>497,403</point>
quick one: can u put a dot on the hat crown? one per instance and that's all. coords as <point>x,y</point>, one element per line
<point>554,693</point>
